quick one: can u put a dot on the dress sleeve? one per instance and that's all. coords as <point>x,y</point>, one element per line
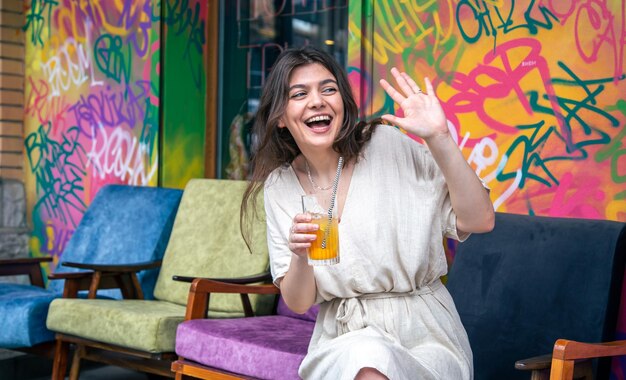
<point>447,216</point>
<point>278,221</point>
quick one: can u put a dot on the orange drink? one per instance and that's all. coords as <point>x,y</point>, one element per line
<point>324,249</point>
<point>329,254</point>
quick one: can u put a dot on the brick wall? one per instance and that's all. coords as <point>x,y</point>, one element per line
<point>11,89</point>
<point>14,232</point>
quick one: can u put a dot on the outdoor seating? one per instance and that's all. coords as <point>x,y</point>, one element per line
<point>139,333</point>
<point>518,289</point>
<point>123,225</point>
<point>534,280</point>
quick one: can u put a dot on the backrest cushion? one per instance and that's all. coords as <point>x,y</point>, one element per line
<point>206,242</point>
<point>123,225</point>
<point>533,280</point>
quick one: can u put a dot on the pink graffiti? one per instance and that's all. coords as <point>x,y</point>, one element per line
<point>597,28</point>
<point>472,95</point>
<point>44,108</point>
<point>575,196</point>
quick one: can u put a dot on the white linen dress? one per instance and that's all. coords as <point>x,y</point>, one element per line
<point>383,306</point>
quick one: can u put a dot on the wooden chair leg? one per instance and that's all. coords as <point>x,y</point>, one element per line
<point>59,365</point>
<point>75,369</point>
<point>562,369</point>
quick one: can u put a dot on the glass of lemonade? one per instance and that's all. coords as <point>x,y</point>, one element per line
<point>325,248</point>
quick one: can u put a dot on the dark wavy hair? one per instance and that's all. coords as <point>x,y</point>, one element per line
<point>276,146</point>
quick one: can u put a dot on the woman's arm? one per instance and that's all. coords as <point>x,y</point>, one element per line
<point>298,286</point>
<point>424,117</point>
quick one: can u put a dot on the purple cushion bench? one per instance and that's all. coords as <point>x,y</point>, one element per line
<point>264,347</point>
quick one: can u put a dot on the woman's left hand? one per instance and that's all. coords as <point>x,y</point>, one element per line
<point>423,114</point>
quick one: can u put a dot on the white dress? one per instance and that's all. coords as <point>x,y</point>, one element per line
<point>383,306</point>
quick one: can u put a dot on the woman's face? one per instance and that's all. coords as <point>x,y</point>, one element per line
<point>314,113</point>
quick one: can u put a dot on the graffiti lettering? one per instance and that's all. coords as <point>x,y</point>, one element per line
<point>111,109</point>
<point>477,17</point>
<point>35,20</point>
<point>59,167</point>
<point>120,154</point>
<point>46,109</point>
<point>55,239</point>
<point>504,79</point>
<point>597,24</point>
<point>572,115</point>
<point>63,69</point>
<point>110,58</point>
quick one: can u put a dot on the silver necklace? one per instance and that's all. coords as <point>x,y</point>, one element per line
<point>315,185</point>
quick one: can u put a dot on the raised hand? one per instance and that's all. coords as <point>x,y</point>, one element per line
<point>423,114</point>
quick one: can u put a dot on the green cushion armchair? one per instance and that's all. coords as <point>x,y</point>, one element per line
<point>140,334</point>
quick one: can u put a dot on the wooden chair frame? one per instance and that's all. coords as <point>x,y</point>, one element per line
<point>197,306</point>
<point>153,363</point>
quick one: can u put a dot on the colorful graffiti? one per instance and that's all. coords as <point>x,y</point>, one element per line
<point>91,110</point>
<point>533,91</point>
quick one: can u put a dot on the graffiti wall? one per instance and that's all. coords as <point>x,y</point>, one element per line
<point>91,107</point>
<point>533,91</point>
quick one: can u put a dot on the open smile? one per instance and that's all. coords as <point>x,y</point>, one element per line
<point>318,121</point>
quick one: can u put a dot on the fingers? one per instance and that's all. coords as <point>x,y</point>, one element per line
<point>392,92</point>
<point>301,234</point>
<point>415,89</point>
<point>407,85</point>
<point>429,86</point>
<point>393,120</point>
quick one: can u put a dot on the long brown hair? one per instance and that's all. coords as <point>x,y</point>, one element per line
<point>276,146</point>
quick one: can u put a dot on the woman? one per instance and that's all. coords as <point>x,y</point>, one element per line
<point>383,313</point>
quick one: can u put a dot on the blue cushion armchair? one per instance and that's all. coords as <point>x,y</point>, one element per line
<point>124,228</point>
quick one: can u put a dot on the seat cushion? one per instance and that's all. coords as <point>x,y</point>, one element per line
<point>269,347</point>
<point>148,326</point>
<point>25,308</point>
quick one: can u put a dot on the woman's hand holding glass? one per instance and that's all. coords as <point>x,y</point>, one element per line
<point>301,234</point>
<point>423,114</point>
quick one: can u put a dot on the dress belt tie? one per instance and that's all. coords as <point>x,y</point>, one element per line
<point>352,312</point>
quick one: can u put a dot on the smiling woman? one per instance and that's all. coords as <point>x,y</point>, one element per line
<point>314,112</point>
<point>383,310</point>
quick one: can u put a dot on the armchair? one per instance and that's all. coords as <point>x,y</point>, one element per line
<point>139,334</point>
<point>267,347</point>
<point>518,289</point>
<point>534,280</point>
<point>123,224</point>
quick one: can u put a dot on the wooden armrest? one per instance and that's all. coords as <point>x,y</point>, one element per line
<point>70,275</point>
<point>122,268</point>
<point>201,288</point>
<point>29,266</point>
<point>571,350</point>
<point>567,352</point>
<point>261,277</point>
<point>207,286</point>
<point>104,276</point>
<point>29,260</point>
<point>534,363</point>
